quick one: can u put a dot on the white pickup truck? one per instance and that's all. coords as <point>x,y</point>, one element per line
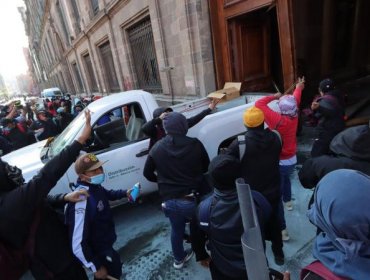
<point>117,137</point>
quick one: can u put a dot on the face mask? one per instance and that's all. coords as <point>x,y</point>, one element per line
<point>98,179</point>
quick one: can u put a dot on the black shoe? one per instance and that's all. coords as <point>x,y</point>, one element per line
<point>279,259</point>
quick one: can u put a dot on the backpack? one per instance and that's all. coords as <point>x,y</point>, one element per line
<point>15,262</point>
<point>205,209</point>
<point>242,142</point>
<point>263,210</point>
<point>320,270</point>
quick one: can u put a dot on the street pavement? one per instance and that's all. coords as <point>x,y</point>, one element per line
<point>143,236</point>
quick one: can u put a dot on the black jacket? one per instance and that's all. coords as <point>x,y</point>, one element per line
<point>154,128</point>
<point>330,114</point>
<point>180,162</point>
<point>351,150</point>
<point>260,163</point>
<point>5,146</point>
<point>64,120</point>
<point>17,138</point>
<point>17,211</point>
<point>50,129</point>
<point>226,229</point>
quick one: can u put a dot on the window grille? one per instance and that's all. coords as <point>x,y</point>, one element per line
<point>95,6</point>
<point>76,15</point>
<point>90,73</point>
<point>78,77</point>
<point>108,65</point>
<point>144,57</point>
<point>62,21</point>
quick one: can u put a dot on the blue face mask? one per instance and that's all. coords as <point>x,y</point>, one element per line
<point>97,179</point>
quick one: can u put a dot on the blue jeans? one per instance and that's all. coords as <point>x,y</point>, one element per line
<point>286,190</point>
<point>178,211</point>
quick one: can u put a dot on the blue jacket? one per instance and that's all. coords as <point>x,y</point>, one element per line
<point>90,224</point>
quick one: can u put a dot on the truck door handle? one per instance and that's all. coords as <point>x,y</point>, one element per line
<point>142,153</point>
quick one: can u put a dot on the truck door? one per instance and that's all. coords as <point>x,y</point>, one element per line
<point>118,139</point>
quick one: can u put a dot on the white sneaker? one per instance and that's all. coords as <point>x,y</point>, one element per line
<point>285,235</point>
<point>180,264</point>
<point>289,205</point>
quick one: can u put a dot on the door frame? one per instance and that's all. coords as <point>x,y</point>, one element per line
<point>221,12</point>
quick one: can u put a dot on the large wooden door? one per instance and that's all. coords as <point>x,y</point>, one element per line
<point>250,51</point>
<point>242,42</point>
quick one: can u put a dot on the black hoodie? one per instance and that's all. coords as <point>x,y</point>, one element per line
<point>330,114</point>
<point>179,161</point>
<point>260,163</point>
<point>17,212</point>
<point>351,150</point>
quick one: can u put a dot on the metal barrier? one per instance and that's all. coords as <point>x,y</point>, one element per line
<point>253,251</point>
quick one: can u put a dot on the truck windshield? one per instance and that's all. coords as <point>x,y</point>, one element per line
<point>68,135</point>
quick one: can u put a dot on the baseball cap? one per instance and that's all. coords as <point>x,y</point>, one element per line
<point>87,162</point>
<point>253,117</point>
<point>326,85</point>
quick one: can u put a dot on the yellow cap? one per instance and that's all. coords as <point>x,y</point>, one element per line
<point>253,117</point>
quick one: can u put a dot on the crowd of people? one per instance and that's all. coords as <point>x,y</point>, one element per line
<point>198,191</point>
<point>22,125</point>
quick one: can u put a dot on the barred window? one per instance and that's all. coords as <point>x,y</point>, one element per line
<point>77,77</point>
<point>95,6</point>
<point>90,73</point>
<point>62,22</point>
<point>144,57</point>
<point>108,65</point>
<point>76,15</point>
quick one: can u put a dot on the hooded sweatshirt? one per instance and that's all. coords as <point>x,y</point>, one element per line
<point>342,211</point>
<point>350,149</point>
<point>330,114</point>
<point>179,161</point>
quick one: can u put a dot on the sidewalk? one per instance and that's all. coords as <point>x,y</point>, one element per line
<point>298,250</point>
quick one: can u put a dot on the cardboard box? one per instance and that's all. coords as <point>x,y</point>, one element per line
<point>229,92</point>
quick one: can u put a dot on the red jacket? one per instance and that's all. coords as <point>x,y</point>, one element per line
<point>287,126</point>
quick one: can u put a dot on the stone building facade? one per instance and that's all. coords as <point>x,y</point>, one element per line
<point>104,46</point>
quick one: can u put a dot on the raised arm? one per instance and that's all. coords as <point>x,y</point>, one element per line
<point>197,118</point>
<point>272,118</point>
<point>298,90</point>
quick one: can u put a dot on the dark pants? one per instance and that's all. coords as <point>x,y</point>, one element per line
<point>111,260</point>
<point>273,230</point>
<point>218,275</point>
<point>321,146</point>
<point>74,272</point>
